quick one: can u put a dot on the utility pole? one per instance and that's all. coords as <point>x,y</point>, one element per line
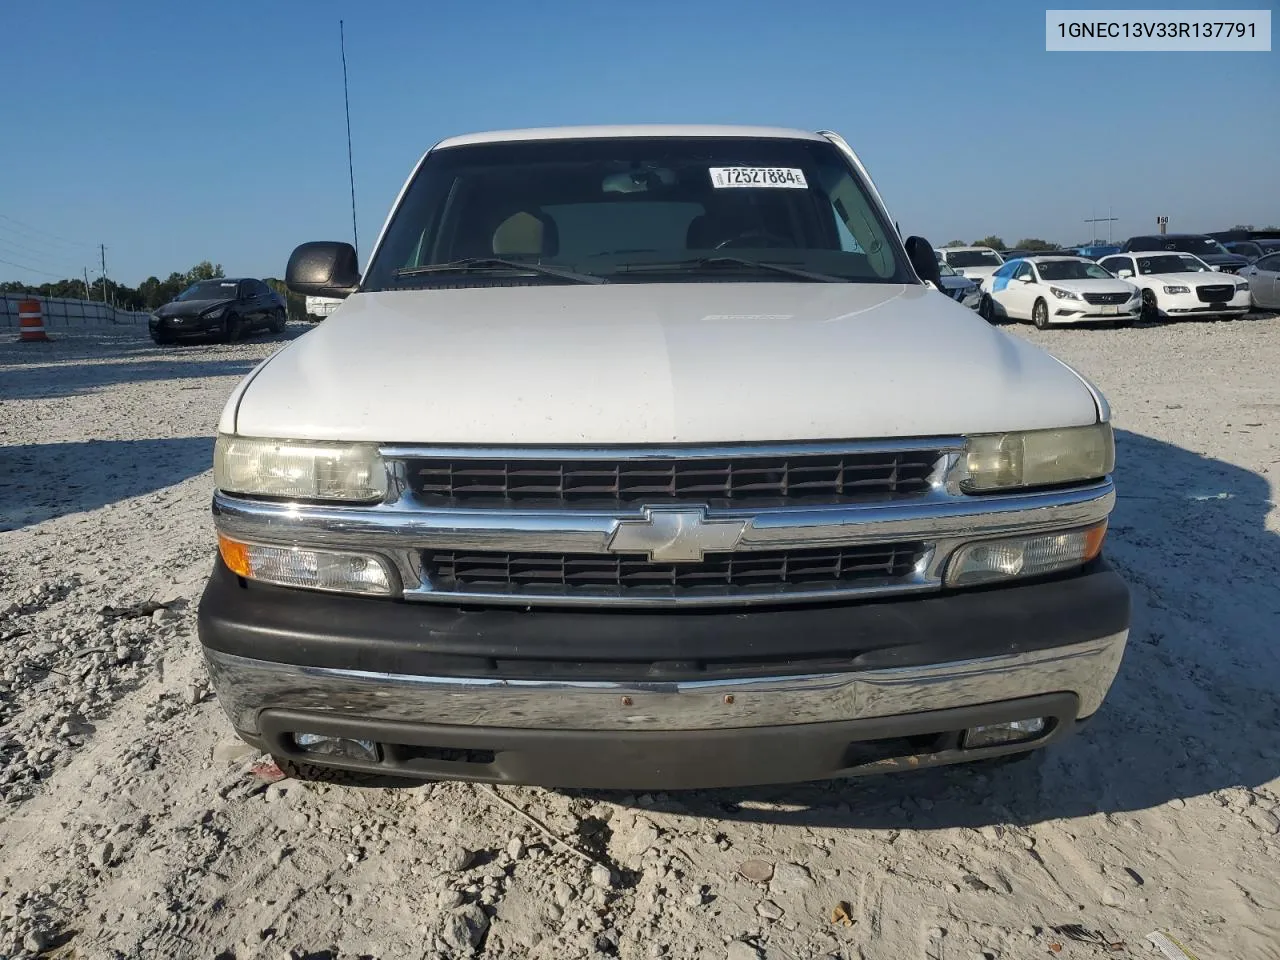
<point>86,284</point>
<point>102,248</point>
<point>1108,220</point>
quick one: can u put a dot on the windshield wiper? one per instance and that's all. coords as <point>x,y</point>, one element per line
<point>726,261</point>
<point>491,263</point>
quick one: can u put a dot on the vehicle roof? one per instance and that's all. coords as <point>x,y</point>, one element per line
<point>627,130</point>
<point>1166,236</point>
<point>967,249</point>
<point>1048,257</point>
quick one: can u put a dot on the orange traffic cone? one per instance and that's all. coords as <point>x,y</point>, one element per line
<point>30,322</point>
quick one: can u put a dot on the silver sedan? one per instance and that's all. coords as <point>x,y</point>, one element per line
<point>1264,281</point>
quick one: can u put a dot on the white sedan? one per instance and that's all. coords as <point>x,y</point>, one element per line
<point>1058,290</point>
<point>1177,285</point>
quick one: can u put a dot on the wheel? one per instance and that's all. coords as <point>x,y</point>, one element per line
<point>987,309</point>
<point>277,322</point>
<point>1040,315</point>
<point>1150,307</point>
<point>160,340</point>
<point>314,773</point>
<point>231,330</point>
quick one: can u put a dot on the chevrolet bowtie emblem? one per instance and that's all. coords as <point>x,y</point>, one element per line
<point>673,535</point>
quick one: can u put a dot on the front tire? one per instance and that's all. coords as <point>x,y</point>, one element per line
<point>1150,311</point>
<point>277,323</point>
<point>1040,315</point>
<point>231,330</point>
<point>987,309</point>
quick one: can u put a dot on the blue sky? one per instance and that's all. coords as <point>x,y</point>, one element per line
<point>175,133</point>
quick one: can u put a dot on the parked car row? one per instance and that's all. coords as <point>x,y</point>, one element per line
<point>1119,289</point>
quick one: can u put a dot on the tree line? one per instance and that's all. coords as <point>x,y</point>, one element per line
<point>150,293</point>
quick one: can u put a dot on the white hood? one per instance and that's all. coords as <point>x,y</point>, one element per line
<point>976,273</point>
<point>1093,286</point>
<point>1192,279</point>
<point>655,363</point>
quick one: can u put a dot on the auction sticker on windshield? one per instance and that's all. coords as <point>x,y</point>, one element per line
<point>789,177</point>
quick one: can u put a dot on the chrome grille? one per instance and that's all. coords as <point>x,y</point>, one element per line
<point>738,481</point>
<point>755,573</point>
<point>1216,293</point>
<point>1105,299</point>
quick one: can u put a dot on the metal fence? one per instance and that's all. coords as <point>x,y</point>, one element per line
<point>63,314</point>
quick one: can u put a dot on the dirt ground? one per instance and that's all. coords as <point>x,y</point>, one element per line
<point>130,825</point>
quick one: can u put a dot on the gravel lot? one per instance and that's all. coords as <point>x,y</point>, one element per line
<point>131,826</point>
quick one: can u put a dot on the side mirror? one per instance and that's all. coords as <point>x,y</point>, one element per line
<point>325,268</point>
<point>1124,273</point>
<point>923,260</point>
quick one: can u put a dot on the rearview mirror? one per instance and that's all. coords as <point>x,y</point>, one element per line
<point>923,260</point>
<point>1124,273</point>
<point>326,268</point>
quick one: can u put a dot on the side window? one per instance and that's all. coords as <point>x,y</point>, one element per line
<point>1271,263</point>
<point>246,290</point>
<point>262,289</point>
<point>1024,270</point>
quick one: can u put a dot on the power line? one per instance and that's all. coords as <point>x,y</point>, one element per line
<point>34,247</point>
<point>23,266</point>
<point>38,230</point>
<point>27,253</point>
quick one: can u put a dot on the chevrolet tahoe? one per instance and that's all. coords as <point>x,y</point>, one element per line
<point>653,457</point>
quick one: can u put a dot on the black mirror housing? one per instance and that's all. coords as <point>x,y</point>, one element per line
<point>325,268</point>
<point>923,260</point>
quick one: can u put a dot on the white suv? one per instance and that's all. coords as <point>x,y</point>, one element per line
<point>976,263</point>
<point>645,457</point>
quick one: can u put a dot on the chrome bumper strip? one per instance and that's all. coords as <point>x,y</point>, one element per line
<point>245,687</point>
<point>935,516</point>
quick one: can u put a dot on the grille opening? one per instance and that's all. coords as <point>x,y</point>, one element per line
<point>752,572</point>
<point>736,481</point>
<point>407,753</point>
<point>1216,293</point>
<point>1100,299</point>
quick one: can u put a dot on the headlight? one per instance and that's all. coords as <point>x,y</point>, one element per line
<point>1033,556</point>
<point>1135,293</point>
<point>1242,288</point>
<point>1063,294</point>
<point>331,570</point>
<point>1176,288</point>
<point>215,313</point>
<point>1037,458</point>
<point>299,469</point>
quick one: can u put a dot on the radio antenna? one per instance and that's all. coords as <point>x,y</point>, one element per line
<point>351,170</point>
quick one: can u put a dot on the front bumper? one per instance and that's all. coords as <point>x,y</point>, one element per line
<point>186,327</point>
<point>661,700</point>
<point>1071,311</point>
<point>1179,305</point>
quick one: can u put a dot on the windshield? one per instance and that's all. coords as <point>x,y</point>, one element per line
<point>1171,263</point>
<point>973,258</point>
<point>1071,270</point>
<point>1197,245</point>
<point>636,210</point>
<point>210,290</point>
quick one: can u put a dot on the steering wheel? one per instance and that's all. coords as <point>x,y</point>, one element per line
<point>764,235</point>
